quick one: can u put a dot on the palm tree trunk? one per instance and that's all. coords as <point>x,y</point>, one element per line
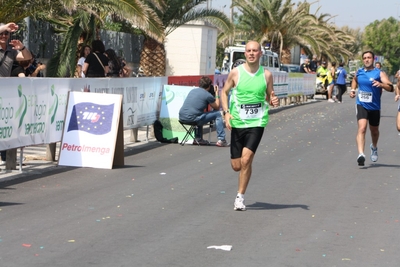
<point>285,56</point>
<point>152,58</point>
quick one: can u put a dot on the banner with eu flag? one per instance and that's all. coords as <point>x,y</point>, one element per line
<point>93,132</point>
<point>91,118</point>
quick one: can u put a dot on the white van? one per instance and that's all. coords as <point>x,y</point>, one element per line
<point>234,56</point>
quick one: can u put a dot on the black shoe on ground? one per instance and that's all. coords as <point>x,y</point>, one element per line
<point>361,160</point>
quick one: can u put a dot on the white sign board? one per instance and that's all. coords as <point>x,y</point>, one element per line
<point>90,130</point>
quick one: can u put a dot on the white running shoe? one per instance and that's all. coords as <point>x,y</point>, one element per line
<point>239,204</point>
<point>374,153</point>
<point>330,100</point>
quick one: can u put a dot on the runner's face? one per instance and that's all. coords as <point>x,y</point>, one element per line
<point>368,60</point>
<point>253,52</point>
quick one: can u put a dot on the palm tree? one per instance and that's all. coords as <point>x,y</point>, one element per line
<point>356,46</point>
<point>172,14</point>
<point>283,26</point>
<point>274,22</point>
<point>81,20</point>
<point>15,10</point>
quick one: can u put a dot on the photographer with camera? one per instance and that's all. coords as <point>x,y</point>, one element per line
<point>34,70</point>
<point>193,110</point>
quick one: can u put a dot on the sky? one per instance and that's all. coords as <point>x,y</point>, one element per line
<point>353,13</point>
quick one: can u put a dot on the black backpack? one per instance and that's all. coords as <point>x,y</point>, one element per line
<point>159,136</point>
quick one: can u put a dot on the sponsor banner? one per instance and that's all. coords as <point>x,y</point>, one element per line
<point>281,86</point>
<point>295,84</point>
<point>172,101</point>
<point>90,132</point>
<point>142,100</point>
<point>57,94</point>
<point>309,84</point>
<point>301,84</point>
<point>30,110</point>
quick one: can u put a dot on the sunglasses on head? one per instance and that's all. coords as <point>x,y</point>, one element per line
<point>5,33</point>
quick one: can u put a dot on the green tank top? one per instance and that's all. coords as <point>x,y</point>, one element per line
<point>248,104</point>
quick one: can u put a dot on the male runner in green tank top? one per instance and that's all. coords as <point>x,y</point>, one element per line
<point>247,115</point>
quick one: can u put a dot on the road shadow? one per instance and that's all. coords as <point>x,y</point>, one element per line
<point>269,206</point>
<point>379,165</point>
<point>3,204</point>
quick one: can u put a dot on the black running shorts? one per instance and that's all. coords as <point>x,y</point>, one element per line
<point>245,137</point>
<point>373,116</point>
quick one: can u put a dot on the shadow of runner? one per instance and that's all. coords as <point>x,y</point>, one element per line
<point>3,204</point>
<point>377,165</point>
<point>269,206</point>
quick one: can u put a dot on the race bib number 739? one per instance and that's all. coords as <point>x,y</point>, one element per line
<point>251,111</point>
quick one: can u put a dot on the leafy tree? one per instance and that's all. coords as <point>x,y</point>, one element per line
<point>383,38</point>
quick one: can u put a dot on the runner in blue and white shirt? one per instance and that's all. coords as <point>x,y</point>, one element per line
<point>370,82</point>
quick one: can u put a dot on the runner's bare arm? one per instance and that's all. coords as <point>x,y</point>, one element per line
<point>354,85</point>
<point>386,83</point>
<point>229,84</point>
<point>272,99</point>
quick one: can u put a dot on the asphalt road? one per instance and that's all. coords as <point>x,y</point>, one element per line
<point>309,204</point>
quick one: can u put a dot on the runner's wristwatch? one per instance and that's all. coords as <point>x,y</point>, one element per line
<point>225,111</point>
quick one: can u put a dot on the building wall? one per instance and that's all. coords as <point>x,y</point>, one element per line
<point>191,50</point>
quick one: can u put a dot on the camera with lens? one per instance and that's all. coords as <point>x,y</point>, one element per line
<point>212,90</point>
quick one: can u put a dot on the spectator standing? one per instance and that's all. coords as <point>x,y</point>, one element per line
<point>96,63</point>
<point>114,64</point>
<point>331,81</point>
<point>85,51</point>
<point>247,113</point>
<point>341,82</point>
<point>304,67</point>
<point>396,98</point>
<point>314,64</point>
<point>10,51</point>
<point>370,82</point>
<point>303,57</point>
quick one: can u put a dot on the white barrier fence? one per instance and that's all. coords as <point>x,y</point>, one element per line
<point>32,110</point>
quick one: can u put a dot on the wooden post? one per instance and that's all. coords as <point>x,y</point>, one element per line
<point>11,159</point>
<point>134,135</point>
<point>119,157</point>
<point>51,152</point>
